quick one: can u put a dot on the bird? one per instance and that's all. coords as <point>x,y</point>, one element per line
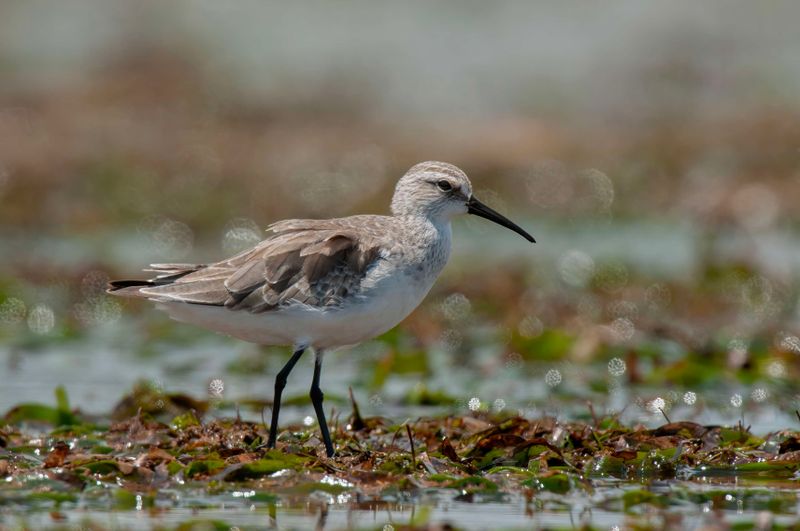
<point>323,284</point>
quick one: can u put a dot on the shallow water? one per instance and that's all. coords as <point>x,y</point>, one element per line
<point>602,509</point>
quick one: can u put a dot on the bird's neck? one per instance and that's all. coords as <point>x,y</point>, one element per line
<point>429,240</point>
<point>436,226</point>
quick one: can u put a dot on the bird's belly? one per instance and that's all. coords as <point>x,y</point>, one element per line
<point>356,320</point>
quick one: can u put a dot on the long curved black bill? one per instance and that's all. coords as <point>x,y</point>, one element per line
<point>479,209</point>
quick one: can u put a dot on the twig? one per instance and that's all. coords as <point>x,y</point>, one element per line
<point>661,409</point>
<point>413,451</point>
<point>594,415</point>
<point>358,423</point>
<point>263,420</point>
<point>396,432</point>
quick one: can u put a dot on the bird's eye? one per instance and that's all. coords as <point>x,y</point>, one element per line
<point>444,186</point>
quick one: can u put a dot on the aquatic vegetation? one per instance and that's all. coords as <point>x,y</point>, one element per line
<point>59,463</point>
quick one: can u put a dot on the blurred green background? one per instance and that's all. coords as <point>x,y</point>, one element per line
<point>652,149</point>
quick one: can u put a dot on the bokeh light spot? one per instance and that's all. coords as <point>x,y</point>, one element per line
<point>759,394</point>
<point>626,309</point>
<point>553,377</point>
<point>602,188</point>
<point>530,327</point>
<point>612,277</point>
<point>41,319</point>
<point>241,234</point>
<point>657,405</point>
<point>499,405</point>
<point>623,328</point>
<point>790,343</point>
<point>474,403</point>
<point>736,400</point>
<point>776,368</point>
<point>616,367</point>
<point>170,238</point>
<point>456,307</point>
<point>12,310</point>
<point>576,268</point>
<point>216,388</point>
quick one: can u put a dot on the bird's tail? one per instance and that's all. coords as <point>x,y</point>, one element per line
<point>168,273</point>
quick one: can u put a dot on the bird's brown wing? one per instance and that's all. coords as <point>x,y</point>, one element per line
<point>306,261</point>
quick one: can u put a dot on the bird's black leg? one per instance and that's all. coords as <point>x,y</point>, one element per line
<point>316,399</point>
<point>280,383</point>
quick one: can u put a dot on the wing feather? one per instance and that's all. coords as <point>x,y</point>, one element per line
<point>312,262</point>
<point>197,292</point>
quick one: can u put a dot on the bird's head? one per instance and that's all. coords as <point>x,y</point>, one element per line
<point>439,190</point>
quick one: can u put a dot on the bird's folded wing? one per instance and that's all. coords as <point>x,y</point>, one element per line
<point>316,266</point>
